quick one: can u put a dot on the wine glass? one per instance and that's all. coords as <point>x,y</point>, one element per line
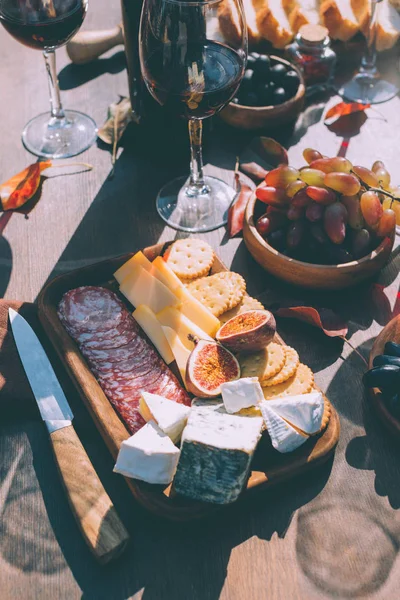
<point>46,25</point>
<point>193,69</point>
<point>367,86</point>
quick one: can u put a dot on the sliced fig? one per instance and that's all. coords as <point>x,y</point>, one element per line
<point>210,364</point>
<point>248,331</point>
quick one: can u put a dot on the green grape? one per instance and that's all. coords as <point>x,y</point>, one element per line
<point>355,217</point>
<point>281,176</point>
<point>271,195</point>
<point>310,155</point>
<point>312,176</point>
<point>335,219</point>
<point>294,187</point>
<point>360,243</point>
<point>381,173</point>
<point>366,176</point>
<point>337,164</point>
<point>371,208</point>
<point>321,195</point>
<point>387,223</point>
<point>345,183</point>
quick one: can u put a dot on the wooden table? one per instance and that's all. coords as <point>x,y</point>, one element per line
<point>333,534</point>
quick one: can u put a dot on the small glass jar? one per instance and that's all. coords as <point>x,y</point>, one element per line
<point>312,53</point>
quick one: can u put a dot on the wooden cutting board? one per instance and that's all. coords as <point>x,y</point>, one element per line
<point>269,467</point>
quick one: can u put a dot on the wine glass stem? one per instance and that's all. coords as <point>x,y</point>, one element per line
<point>196,184</point>
<point>368,61</point>
<point>57,111</point>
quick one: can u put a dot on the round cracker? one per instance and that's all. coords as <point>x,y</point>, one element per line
<point>301,382</point>
<point>190,258</point>
<point>247,303</point>
<point>219,292</point>
<point>325,417</point>
<point>288,370</point>
<point>263,364</point>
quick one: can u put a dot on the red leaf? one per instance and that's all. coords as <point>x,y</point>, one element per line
<point>323,318</point>
<point>344,108</point>
<point>254,170</point>
<point>237,210</point>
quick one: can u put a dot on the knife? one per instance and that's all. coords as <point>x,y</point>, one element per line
<point>93,510</point>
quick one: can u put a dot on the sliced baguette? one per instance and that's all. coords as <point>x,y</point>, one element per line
<point>339,18</point>
<point>229,22</point>
<point>272,22</point>
<point>362,12</point>
<point>301,12</point>
<point>388,26</point>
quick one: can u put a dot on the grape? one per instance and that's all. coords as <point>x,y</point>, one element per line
<point>314,212</point>
<point>386,202</point>
<point>345,183</point>
<point>396,209</point>
<point>271,195</point>
<point>295,213</point>
<point>281,176</point>
<point>355,217</point>
<point>335,219</point>
<point>276,209</point>
<point>310,155</point>
<point>387,223</point>
<point>312,176</point>
<point>381,173</point>
<point>371,208</point>
<point>277,239</point>
<point>366,176</point>
<point>295,234</point>
<point>294,187</point>
<point>301,199</point>
<point>338,255</point>
<point>378,164</point>
<point>337,164</point>
<point>360,243</point>
<point>263,225</point>
<point>318,233</point>
<point>321,195</point>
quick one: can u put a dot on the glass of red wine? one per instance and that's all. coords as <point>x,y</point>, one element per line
<point>46,25</point>
<point>193,68</point>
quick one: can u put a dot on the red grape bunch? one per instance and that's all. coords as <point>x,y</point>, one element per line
<point>329,211</point>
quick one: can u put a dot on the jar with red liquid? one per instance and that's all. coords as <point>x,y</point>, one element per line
<point>312,53</point>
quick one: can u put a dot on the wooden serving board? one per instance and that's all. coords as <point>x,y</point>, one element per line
<point>390,333</point>
<point>269,466</point>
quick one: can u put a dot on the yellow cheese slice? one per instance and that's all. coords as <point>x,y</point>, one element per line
<point>164,273</point>
<point>180,352</point>
<point>152,328</point>
<point>194,310</point>
<point>141,287</point>
<point>137,259</point>
<point>172,317</point>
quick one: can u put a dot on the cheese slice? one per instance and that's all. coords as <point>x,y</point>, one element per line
<point>283,436</point>
<point>141,287</point>
<point>170,416</point>
<point>137,259</point>
<point>304,412</point>
<point>152,328</point>
<point>164,273</point>
<point>216,453</point>
<point>148,455</point>
<point>242,393</point>
<point>173,318</point>
<point>181,353</point>
<point>199,314</point>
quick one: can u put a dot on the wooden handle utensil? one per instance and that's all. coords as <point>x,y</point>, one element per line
<point>86,46</point>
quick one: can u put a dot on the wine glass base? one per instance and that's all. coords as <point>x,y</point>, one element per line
<point>204,212</point>
<point>367,89</point>
<point>59,138</point>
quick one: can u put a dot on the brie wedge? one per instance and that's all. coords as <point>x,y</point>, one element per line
<point>304,412</point>
<point>170,416</point>
<point>283,436</point>
<point>242,393</point>
<point>148,455</point>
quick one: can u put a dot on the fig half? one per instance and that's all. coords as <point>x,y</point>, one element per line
<point>248,331</point>
<point>210,364</point>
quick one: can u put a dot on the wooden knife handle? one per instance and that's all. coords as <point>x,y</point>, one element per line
<point>86,46</point>
<point>94,512</point>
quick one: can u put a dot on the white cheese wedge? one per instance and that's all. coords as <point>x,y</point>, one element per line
<point>137,259</point>
<point>152,328</point>
<point>141,287</point>
<point>181,353</point>
<point>304,412</point>
<point>173,318</point>
<point>283,436</point>
<point>164,273</point>
<point>170,416</point>
<point>194,310</point>
<point>216,453</point>
<point>148,455</point>
<point>242,393</point>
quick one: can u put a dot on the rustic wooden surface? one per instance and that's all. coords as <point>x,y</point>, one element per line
<point>335,535</point>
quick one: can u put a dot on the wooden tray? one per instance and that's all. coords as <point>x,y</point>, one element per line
<point>390,333</point>
<point>269,467</point>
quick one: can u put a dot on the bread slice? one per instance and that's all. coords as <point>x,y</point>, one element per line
<point>388,26</point>
<point>301,12</point>
<point>229,22</point>
<point>272,22</point>
<point>339,18</point>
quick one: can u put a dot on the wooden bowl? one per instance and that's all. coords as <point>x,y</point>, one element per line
<point>307,275</point>
<point>263,117</point>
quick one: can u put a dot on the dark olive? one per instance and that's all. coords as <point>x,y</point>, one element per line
<point>278,73</point>
<point>278,96</point>
<point>265,95</point>
<point>235,100</point>
<point>392,402</point>
<point>261,68</point>
<point>247,81</point>
<point>251,61</point>
<point>291,82</point>
<point>250,99</point>
<point>255,55</point>
<point>392,349</point>
<point>386,377</point>
<point>385,359</point>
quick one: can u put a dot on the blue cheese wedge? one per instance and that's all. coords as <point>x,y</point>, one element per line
<point>170,416</point>
<point>242,393</point>
<point>216,452</point>
<point>148,455</point>
<point>284,437</point>
<point>304,412</point>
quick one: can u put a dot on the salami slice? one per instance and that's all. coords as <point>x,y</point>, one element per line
<point>118,352</point>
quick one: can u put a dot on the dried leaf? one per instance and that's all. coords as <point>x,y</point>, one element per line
<point>254,170</point>
<point>20,188</point>
<point>323,318</point>
<point>344,108</point>
<point>380,304</point>
<point>118,118</point>
<point>237,210</point>
<point>262,155</point>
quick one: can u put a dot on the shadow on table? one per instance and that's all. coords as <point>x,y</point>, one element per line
<point>72,76</point>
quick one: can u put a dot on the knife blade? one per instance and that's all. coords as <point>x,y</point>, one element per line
<point>96,516</point>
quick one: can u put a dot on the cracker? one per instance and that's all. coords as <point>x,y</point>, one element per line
<point>301,382</point>
<point>219,292</point>
<point>263,364</point>
<point>247,303</point>
<point>190,258</point>
<point>325,417</point>
<point>288,369</point>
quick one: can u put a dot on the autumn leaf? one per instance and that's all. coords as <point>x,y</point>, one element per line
<point>324,318</point>
<point>342,109</point>
<point>118,118</point>
<point>237,210</point>
<point>262,155</point>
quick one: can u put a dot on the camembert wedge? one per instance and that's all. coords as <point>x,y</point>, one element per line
<point>304,412</point>
<point>284,437</point>
<point>170,416</point>
<point>241,393</point>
